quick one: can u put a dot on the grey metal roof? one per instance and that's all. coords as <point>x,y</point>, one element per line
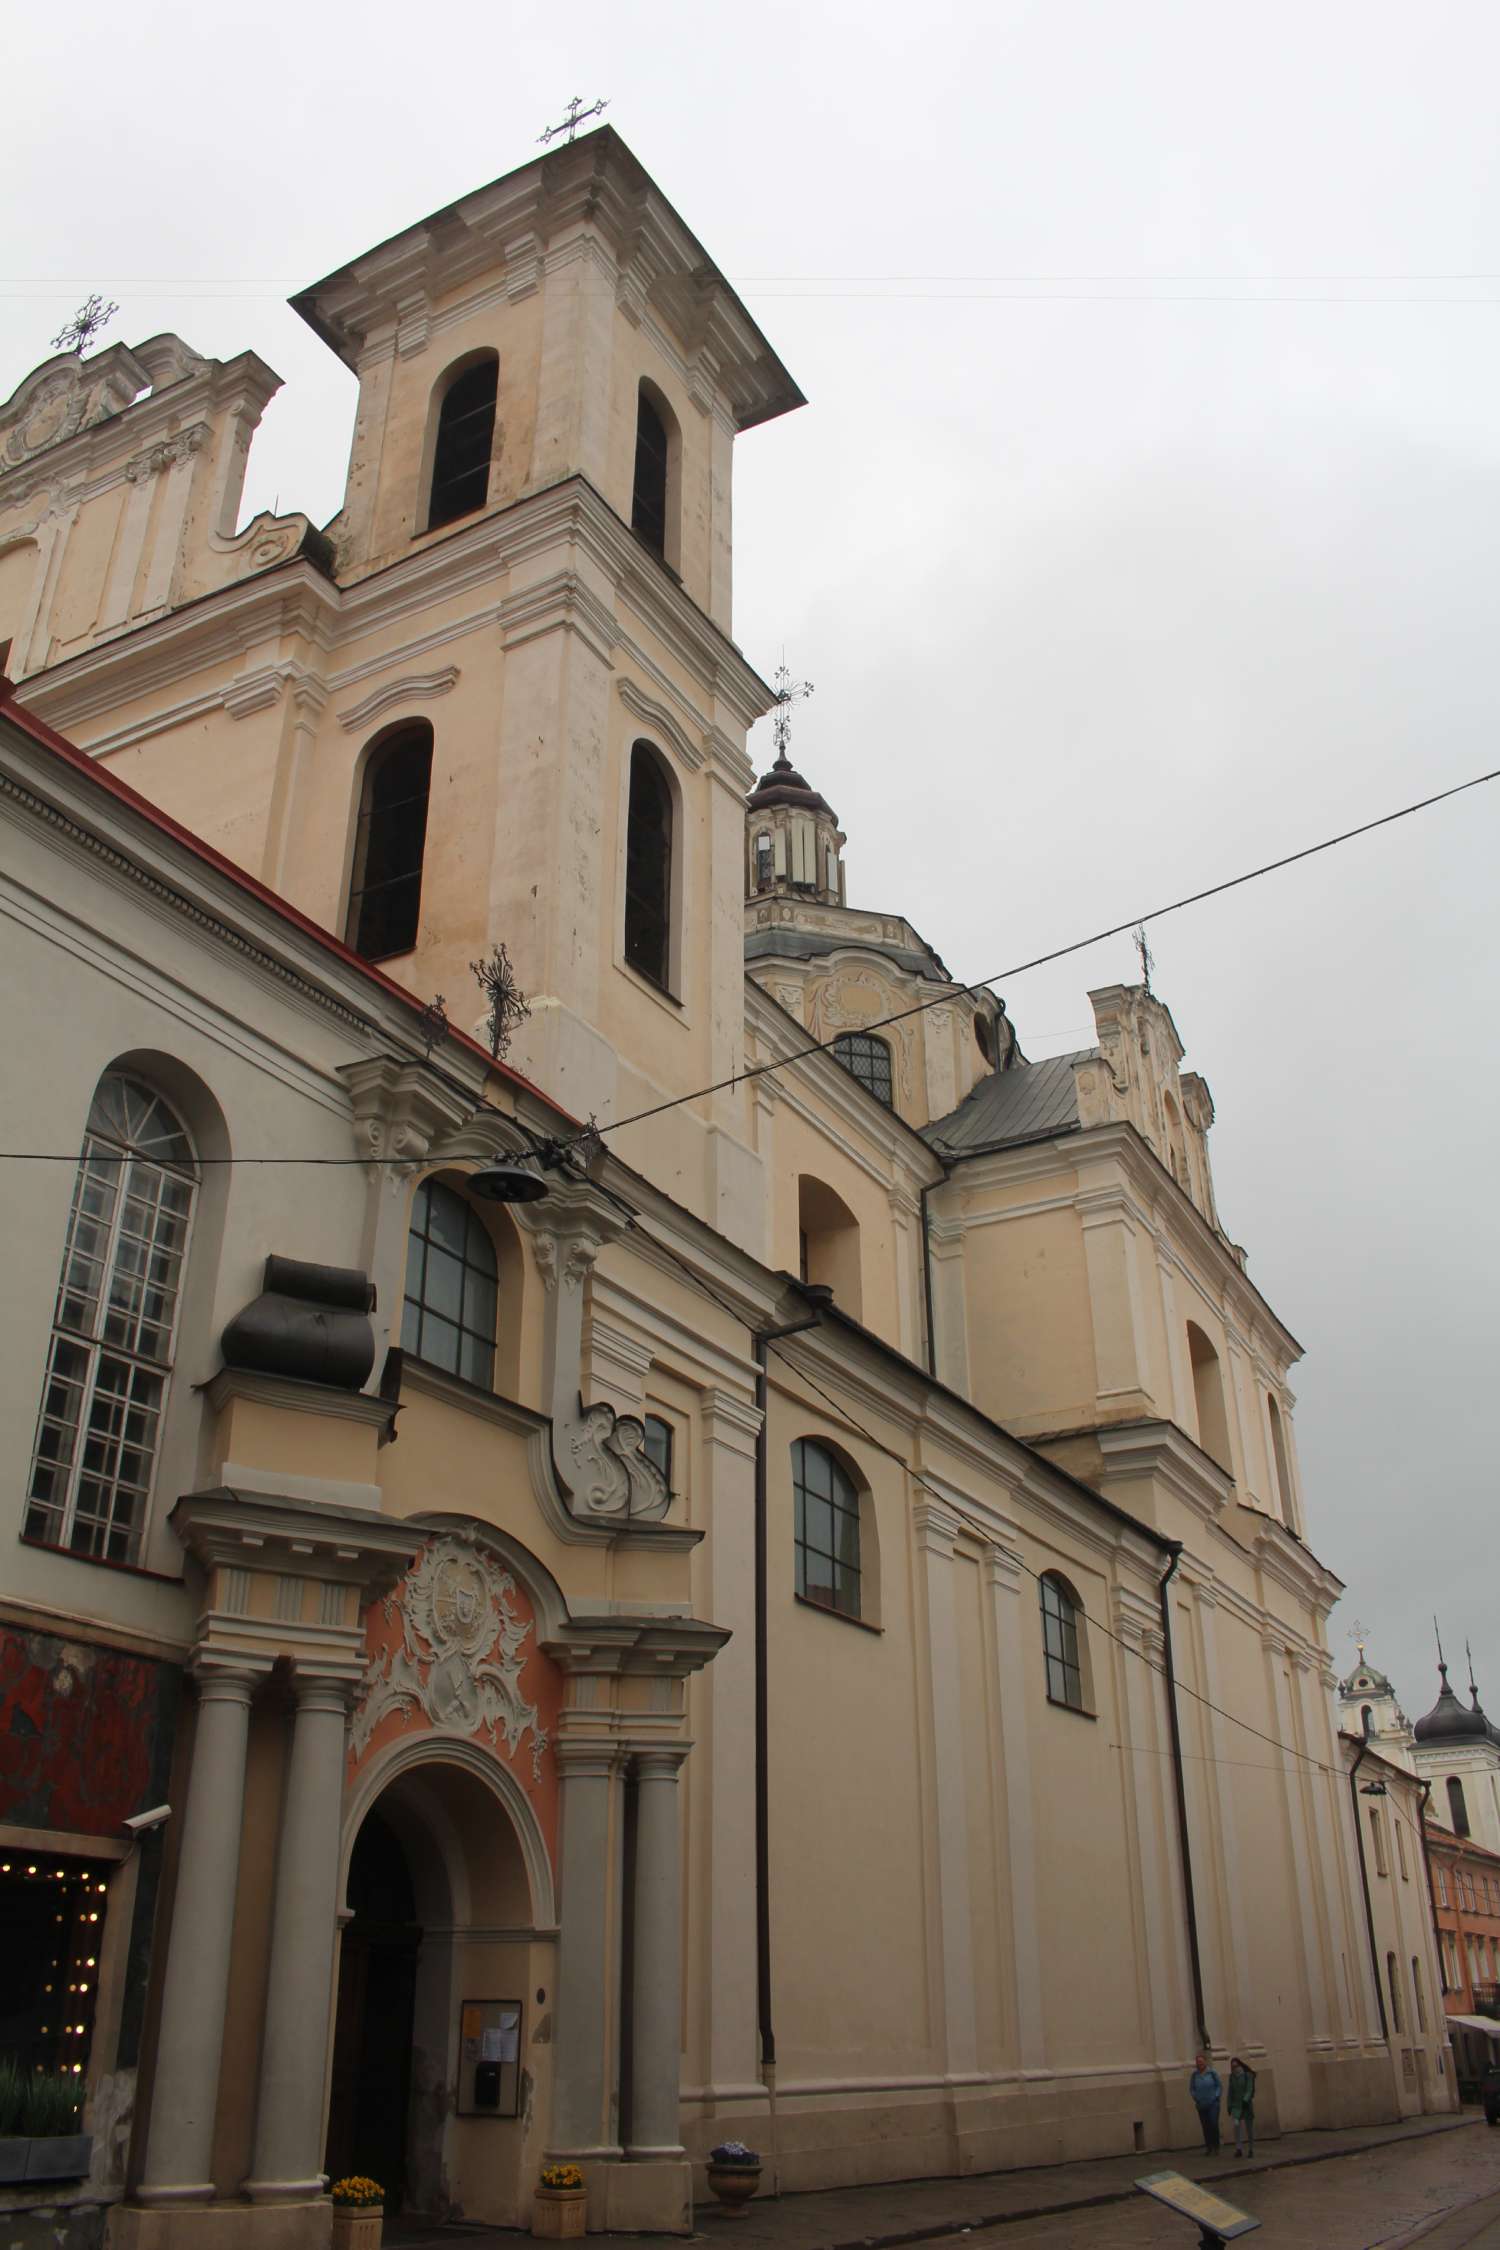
<point>1024,1104</point>
<point>777,943</point>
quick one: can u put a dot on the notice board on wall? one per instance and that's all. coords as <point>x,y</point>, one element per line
<point>489,2059</point>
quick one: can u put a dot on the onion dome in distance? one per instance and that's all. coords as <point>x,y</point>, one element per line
<point>1448,1721</point>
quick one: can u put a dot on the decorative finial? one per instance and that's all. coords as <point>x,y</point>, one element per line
<point>509,1006</point>
<point>432,1024</point>
<point>78,333</point>
<point>1148,958</point>
<point>1473,1690</point>
<point>1437,1636</point>
<point>788,692</point>
<point>575,117</point>
<point>1359,1634</point>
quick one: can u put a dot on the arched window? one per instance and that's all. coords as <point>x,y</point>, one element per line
<point>451,1286</point>
<point>1062,1642</point>
<point>828,1243</point>
<point>827,1529</point>
<point>1377,1842</point>
<point>650,497</point>
<point>1208,1396</point>
<point>385,900</point>
<point>1366,1721</point>
<point>1280,1463</point>
<point>658,1445</point>
<point>648,867</point>
<point>765,868</point>
<point>1393,1980</point>
<point>868,1059</point>
<point>114,1326</point>
<point>1416,1985</point>
<point>461,447</point>
<point>1458,1811</point>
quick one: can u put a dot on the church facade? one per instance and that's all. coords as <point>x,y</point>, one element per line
<point>758,1621</point>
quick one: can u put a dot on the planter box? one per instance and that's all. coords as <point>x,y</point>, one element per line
<point>13,2155</point>
<point>357,2228</point>
<point>734,2185</point>
<point>58,2156</point>
<point>560,2214</point>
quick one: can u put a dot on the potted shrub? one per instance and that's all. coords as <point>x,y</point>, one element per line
<point>358,2208</point>
<point>39,2118</point>
<point>560,2207</point>
<point>734,2175</point>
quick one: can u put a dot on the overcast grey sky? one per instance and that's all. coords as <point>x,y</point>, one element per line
<point>1141,526</point>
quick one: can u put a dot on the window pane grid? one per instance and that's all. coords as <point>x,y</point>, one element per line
<point>113,1327</point>
<point>449,1317</point>
<point>1060,1646</point>
<point>827,1530</point>
<point>869,1060</point>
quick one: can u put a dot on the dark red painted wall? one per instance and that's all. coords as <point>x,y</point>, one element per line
<point>83,1732</point>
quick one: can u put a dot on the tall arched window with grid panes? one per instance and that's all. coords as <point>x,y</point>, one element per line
<point>114,1325</point>
<point>452,1286</point>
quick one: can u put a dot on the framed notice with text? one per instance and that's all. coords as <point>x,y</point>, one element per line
<point>489,2059</point>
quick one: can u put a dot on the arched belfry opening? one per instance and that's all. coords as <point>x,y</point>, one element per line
<point>439,2030</point>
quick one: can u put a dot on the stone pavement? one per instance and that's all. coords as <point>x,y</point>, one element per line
<point>890,2213</point>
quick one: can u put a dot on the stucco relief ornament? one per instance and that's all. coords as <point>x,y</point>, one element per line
<point>460,1658</point>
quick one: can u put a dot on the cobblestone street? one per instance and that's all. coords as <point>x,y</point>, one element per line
<point>1443,2192</point>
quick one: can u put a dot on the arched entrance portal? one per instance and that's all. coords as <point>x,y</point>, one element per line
<point>442,2030</point>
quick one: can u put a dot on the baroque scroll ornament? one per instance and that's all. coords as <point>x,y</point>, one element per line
<point>460,1657</point>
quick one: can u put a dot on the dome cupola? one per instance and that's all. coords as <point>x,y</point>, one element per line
<point>793,840</point>
<point>1448,1721</point>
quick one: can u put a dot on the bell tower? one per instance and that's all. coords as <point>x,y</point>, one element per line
<point>495,701</point>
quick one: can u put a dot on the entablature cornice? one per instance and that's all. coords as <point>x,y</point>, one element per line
<point>664,1647</point>
<point>1160,1453</point>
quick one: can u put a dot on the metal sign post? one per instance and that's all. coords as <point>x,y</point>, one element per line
<point>1219,2221</point>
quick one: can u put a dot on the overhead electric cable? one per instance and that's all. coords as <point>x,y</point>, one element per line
<point>945,998</point>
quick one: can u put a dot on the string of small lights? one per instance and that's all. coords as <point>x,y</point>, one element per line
<point>60,1905</point>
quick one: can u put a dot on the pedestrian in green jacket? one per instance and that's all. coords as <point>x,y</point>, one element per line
<point>1242,2105</point>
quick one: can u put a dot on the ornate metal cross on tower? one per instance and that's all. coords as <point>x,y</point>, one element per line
<point>508,1005</point>
<point>1359,1634</point>
<point>788,692</point>
<point>78,333</point>
<point>1148,958</point>
<point>575,117</point>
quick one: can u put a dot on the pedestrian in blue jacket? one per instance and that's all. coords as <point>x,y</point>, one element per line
<point>1207,2093</point>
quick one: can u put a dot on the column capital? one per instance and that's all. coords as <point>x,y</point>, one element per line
<point>219,1682</point>
<point>319,1693</point>
<point>661,1762</point>
<point>579,1759</point>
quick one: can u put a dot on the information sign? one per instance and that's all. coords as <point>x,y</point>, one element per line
<point>1220,2221</point>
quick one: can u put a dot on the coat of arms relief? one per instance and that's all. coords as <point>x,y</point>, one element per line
<point>461,1652</point>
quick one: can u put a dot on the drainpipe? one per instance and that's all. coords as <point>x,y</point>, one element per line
<point>1364,1877</point>
<point>1184,1841</point>
<point>1437,1940</point>
<point>927,1273</point>
<point>762,1339</point>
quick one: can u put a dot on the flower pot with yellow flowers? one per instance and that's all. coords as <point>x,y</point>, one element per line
<point>358,2209</point>
<point>561,2207</point>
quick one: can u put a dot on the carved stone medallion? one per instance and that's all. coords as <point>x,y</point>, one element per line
<point>461,1652</point>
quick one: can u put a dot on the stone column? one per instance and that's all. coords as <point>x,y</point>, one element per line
<point>288,2161</point>
<point>936,1530</point>
<point>587,1965</point>
<point>184,2095</point>
<point>1012,1643</point>
<point>656,1987</point>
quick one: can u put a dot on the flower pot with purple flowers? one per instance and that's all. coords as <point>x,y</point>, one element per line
<point>734,2176</point>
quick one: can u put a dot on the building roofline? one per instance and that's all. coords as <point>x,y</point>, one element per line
<point>783,393</point>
